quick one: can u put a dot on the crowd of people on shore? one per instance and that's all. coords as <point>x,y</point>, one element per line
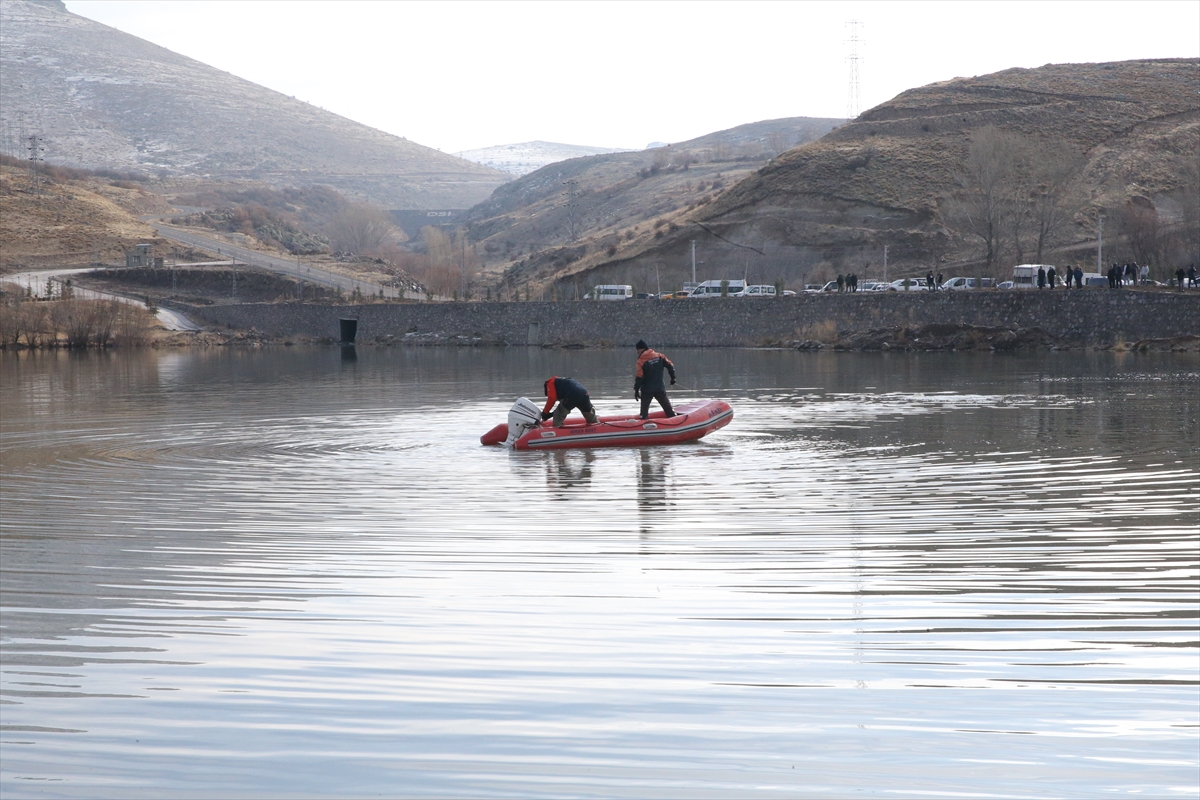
<point>1118,275</point>
<point>1132,275</point>
<point>1050,277</point>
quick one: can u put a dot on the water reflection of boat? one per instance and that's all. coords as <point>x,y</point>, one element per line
<point>526,431</point>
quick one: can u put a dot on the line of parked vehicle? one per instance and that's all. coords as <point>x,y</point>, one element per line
<point>901,285</point>
<point>617,291</point>
<point>1024,277</point>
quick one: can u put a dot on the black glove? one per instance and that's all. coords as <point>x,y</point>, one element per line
<point>545,415</point>
<point>672,381</point>
<point>637,394</point>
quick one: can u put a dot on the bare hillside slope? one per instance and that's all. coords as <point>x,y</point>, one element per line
<point>577,211</point>
<point>100,98</point>
<point>893,178</point>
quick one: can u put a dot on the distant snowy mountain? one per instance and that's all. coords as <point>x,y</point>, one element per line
<point>526,157</point>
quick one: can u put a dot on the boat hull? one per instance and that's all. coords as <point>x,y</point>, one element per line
<point>691,421</point>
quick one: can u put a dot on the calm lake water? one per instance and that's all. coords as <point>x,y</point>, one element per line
<point>290,573</point>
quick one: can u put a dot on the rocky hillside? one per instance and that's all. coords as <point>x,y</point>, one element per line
<point>895,177</point>
<point>102,99</point>
<point>574,213</point>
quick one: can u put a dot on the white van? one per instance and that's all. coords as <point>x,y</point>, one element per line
<point>756,290</point>
<point>611,291</point>
<point>713,288</point>
<point>1025,275</point>
<point>959,284</point>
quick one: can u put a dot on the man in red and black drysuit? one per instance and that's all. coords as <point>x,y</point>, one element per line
<point>570,395</point>
<point>648,379</point>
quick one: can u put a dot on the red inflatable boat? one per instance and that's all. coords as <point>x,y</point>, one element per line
<point>525,429</point>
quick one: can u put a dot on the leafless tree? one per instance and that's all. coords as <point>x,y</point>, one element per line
<point>986,186</point>
<point>1015,192</point>
<point>1143,232</point>
<point>1188,198</point>
<point>360,229</point>
<point>779,142</point>
<point>1052,166</point>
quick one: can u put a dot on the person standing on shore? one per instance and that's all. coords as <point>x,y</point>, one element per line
<point>1041,277</point>
<point>1079,277</point>
<point>1191,273</point>
<point>648,379</point>
<point>1050,276</point>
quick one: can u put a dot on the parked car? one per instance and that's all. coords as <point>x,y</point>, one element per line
<point>674,295</point>
<point>814,288</point>
<point>788,293</point>
<point>872,286</point>
<point>1004,285</point>
<point>757,290</point>
<point>646,296</point>
<point>914,285</point>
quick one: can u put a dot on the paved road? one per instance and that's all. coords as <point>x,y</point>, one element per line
<point>36,282</point>
<point>281,266</point>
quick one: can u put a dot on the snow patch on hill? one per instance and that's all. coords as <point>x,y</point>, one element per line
<point>526,157</point>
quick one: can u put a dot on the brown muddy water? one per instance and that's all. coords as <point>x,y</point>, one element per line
<point>292,573</point>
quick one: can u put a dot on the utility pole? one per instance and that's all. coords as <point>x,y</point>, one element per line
<point>234,262</point>
<point>463,236</point>
<point>885,248</point>
<point>572,204</point>
<point>35,157</point>
<point>852,106</point>
<point>1100,244</point>
<point>693,263</point>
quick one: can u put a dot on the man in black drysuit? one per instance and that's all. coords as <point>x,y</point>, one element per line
<point>570,395</point>
<point>648,379</point>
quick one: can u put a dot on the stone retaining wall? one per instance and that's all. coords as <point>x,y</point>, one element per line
<point>1087,316</point>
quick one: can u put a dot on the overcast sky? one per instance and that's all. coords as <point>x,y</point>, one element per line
<point>462,75</point>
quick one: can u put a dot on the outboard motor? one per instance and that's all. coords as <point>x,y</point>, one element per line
<point>521,417</point>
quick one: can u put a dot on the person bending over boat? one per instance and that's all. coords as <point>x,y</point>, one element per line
<point>570,395</point>
<point>648,379</point>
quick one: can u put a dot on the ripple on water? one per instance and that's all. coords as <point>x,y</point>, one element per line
<point>311,586</point>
